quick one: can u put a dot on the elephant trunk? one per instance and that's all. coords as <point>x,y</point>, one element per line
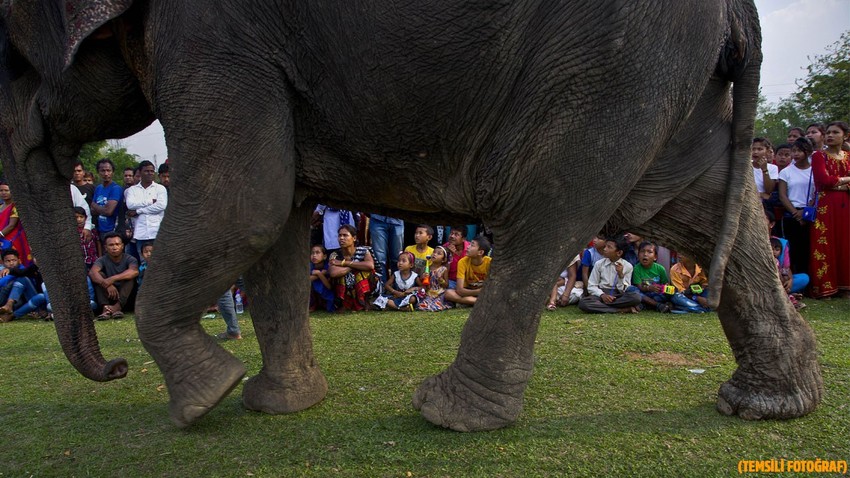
<point>44,203</point>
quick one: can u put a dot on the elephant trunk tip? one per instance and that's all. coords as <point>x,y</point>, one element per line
<point>115,369</point>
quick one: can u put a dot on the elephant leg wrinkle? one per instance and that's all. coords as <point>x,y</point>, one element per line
<point>455,400</point>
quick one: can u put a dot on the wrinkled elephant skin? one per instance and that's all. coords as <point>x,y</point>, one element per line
<point>619,113</point>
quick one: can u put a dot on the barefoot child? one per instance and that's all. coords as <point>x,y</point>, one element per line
<point>568,290</point>
<point>650,278</point>
<point>433,298</point>
<point>421,250</point>
<point>609,282</point>
<point>91,246</point>
<point>403,284</point>
<point>321,291</point>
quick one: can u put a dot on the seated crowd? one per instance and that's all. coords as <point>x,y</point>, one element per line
<point>804,185</point>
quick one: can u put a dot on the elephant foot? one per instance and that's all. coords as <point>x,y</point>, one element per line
<point>200,389</point>
<point>453,399</point>
<point>761,401</point>
<point>286,393</point>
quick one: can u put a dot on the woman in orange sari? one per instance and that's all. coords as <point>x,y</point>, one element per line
<point>11,232</point>
<point>830,236</point>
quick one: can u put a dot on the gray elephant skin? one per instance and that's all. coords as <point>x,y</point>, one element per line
<point>548,120</point>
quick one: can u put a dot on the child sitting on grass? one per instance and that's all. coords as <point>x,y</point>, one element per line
<point>650,278</point>
<point>589,257</point>
<point>691,286</point>
<point>321,291</point>
<point>433,293</point>
<point>610,282</point>
<point>403,284</point>
<point>421,250</point>
<point>568,289</point>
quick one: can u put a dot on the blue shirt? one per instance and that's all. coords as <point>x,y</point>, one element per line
<point>103,194</point>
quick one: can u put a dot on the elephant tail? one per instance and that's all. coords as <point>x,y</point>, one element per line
<point>739,62</point>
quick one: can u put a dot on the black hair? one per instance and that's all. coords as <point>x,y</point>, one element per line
<point>783,146</point>
<point>802,132</point>
<point>648,243</point>
<point>163,168</point>
<point>804,144</point>
<point>619,241</point>
<point>320,246</point>
<point>146,163</point>
<point>819,126</point>
<point>147,244</point>
<point>770,216</point>
<point>80,211</point>
<point>775,242</point>
<point>766,142</point>
<point>351,230</point>
<point>841,125</point>
<point>428,229</point>
<point>8,251</point>
<point>130,168</point>
<point>110,235</point>
<point>483,244</point>
<point>104,161</point>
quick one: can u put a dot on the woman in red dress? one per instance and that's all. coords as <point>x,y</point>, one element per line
<point>11,232</point>
<point>830,236</point>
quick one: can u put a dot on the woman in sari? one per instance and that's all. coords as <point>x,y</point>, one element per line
<point>11,232</point>
<point>351,270</point>
<point>830,235</point>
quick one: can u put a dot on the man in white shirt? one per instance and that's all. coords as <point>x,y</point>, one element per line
<point>146,202</point>
<point>609,284</point>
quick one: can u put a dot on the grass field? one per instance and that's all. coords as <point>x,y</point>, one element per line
<point>610,396</point>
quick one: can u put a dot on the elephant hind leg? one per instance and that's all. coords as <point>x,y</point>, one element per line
<point>290,379</point>
<point>778,375</point>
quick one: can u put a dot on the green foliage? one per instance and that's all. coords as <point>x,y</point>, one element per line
<point>610,396</point>
<point>91,153</point>
<point>823,96</point>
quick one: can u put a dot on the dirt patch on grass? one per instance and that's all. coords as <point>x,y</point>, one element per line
<point>672,359</point>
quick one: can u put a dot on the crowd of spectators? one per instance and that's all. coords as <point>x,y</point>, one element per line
<point>360,262</point>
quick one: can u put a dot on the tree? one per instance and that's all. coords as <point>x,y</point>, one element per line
<point>823,96</point>
<point>91,153</point>
<point>825,93</point>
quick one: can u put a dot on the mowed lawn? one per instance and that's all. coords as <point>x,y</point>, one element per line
<point>610,396</point>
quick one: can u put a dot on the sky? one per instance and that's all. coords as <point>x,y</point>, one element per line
<point>793,32</point>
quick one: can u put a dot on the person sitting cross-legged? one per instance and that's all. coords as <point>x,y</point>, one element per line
<point>609,284</point>
<point>113,277</point>
<point>472,270</point>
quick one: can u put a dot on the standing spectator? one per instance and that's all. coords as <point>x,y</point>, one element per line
<point>830,240</point>
<point>816,132</point>
<point>113,277</point>
<point>332,220</point>
<point>79,181</point>
<point>108,198</point>
<point>796,190</point>
<point>164,174</point>
<point>227,309</point>
<point>794,134</point>
<point>146,202</point>
<point>129,177</point>
<point>783,156</point>
<point>387,235</point>
<point>764,173</point>
<point>89,243</point>
<point>11,231</point>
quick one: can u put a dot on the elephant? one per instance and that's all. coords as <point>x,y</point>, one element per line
<point>623,113</point>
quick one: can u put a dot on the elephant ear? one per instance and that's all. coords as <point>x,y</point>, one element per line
<point>82,17</point>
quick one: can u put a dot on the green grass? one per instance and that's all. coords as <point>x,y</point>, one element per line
<point>610,396</point>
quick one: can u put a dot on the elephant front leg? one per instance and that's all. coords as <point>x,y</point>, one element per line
<point>483,388</point>
<point>290,379</point>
